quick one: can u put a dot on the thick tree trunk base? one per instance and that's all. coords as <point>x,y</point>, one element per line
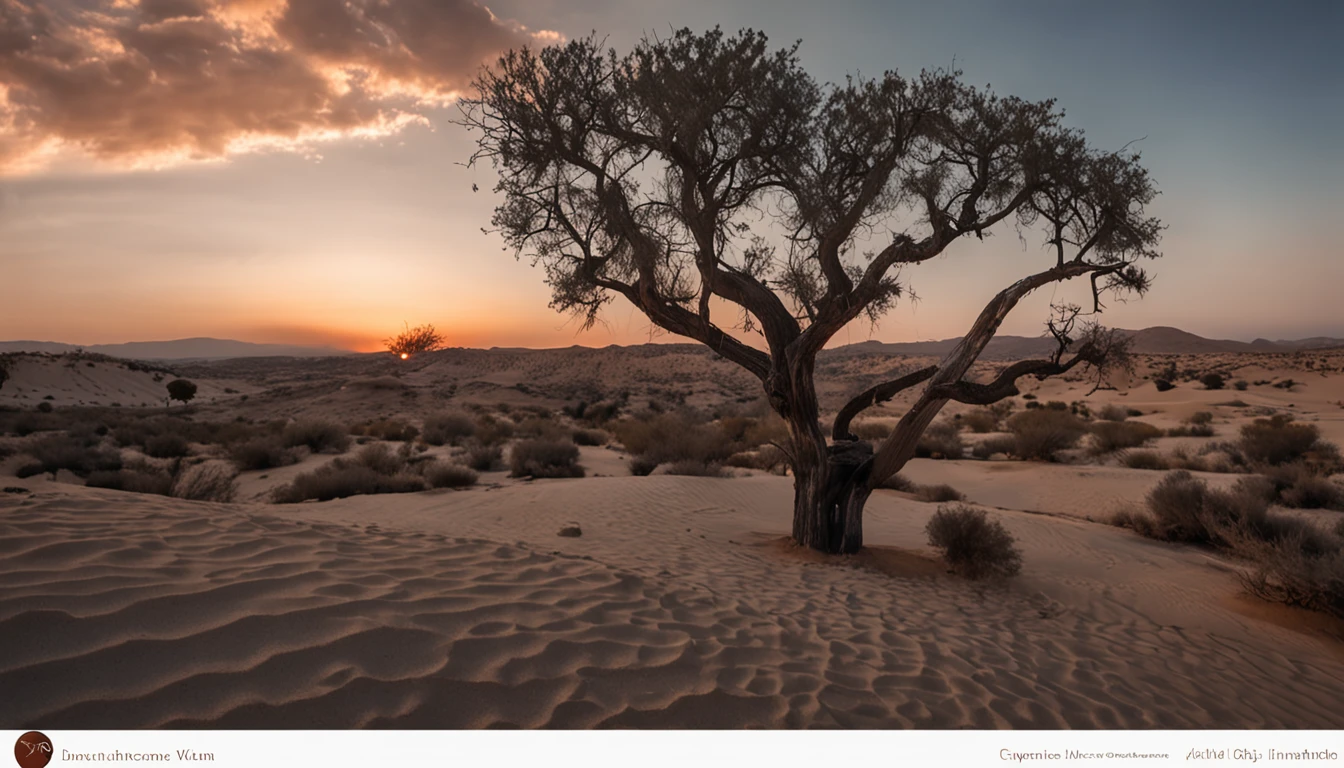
<point>828,505</point>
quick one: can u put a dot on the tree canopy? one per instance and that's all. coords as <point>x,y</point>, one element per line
<point>711,166</point>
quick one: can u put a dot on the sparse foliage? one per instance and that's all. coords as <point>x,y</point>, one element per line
<point>707,169</point>
<point>181,390</point>
<point>414,341</point>
<point>973,544</point>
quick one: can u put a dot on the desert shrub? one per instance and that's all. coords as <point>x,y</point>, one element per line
<point>55,453</point>
<point>1163,385</point>
<point>318,436</point>
<point>1240,385</point>
<point>133,481</point>
<point>870,430</point>
<point>1144,460</point>
<point>448,428</point>
<point>1298,486</point>
<point>589,437</point>
<point>543,428</point>
<point>1312,491</point>
<point>980,420</point>
<point>1191,430</point>
<point>44,407</point>
<point>899,482</point>
<point>1287,384</point>
<point>766,430</point>
<point>263,453</point>
<point>940,441</point>
<point>992,445</point>
<point>669,437</point>
<point>398,430</point>
<point>1111,436</point>
<point>1113,412</point>
<point>485,458</point>
<point>973,544</point>
<point>544,458</point>
<point>207,481</point>
<point>641,466</point>
<point>1288,574</point>
<point>492,431</point>
<point>444,474</point>
<point>341,478</point>
<point>1200,417</point>
<point>381,458</point>
<point>937,493</point>
<point>181,390</point>
<point>1278,440</point>
<point>29,469</point>
<point>1041,433</point>
<point>768,459</point>
<point>167,447</point>
<point>1212,381</point>
<point>696,468</point>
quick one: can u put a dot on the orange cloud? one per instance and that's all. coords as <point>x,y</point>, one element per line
<point>154,82</point>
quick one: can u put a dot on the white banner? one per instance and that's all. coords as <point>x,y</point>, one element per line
<point>677,749</point>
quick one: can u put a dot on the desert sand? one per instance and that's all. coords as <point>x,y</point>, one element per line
<point>681,605</point>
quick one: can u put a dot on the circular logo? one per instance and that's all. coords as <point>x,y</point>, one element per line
<point>32,750</point>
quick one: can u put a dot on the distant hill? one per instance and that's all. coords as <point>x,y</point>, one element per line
<point>1158,340</point>
<point>178,349</point>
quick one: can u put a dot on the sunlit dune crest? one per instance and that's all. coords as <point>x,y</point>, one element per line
<point>155,83</point>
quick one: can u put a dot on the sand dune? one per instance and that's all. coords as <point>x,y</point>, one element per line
<point>676,608</point>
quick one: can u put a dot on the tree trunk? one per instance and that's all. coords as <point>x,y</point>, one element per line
<point>829,495</point>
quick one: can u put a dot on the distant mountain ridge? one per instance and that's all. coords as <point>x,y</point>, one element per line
<point>201,348</point>
<point>1158,340</point>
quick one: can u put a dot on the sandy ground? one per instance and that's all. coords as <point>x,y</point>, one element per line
<point>678,607</point>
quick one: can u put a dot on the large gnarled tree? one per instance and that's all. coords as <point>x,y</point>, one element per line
<point>643,175</point>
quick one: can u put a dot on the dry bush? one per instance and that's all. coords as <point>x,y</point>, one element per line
<point>1300,487</point>
<point>1112,436</point>
<point>1240,385</point>
<point>444,474</point>
<point>1213,381</point>
<point>57,452</point>
<point>669,437</point>
<point>990,446</point>
<point>899,482</point>
<point>485,458</point>
<point>380,383</point>
<point>871,430</point>
<point>1042,432</point>
<point>640,466</point>
<point>413,341</point>
<point>973,544</point>
<point>766,430</point>
<point>264,453</point>
<point>936,494</point>
<point>448,428</point>
<point>697,468</point>
<point>341,478</point>
<point>398,430</point>
<point>1200,417</point>
<point>1144,460</point>
<point>146,480</point>
<point>544,428</point>
<point>1191,430</point>
<point>380,458</point>
<point>207,481</point>
<point>1113,412</point>
<point>544,458</point>
<point>318,436</point>
<point>492,431</point>
<point>167,447</point>
<point>980,420</point>
<point>1163,385</point>
<point>589,437</point>
<point>940,441</point>
<point>1280,440</point>
<point>1287,573</point>
<point>767,459</point>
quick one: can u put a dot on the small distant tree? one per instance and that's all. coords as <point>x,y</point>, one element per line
<point>4,370</point>
<point>654,176</point>
<point>182,390</point>
<point>1212,381</point>
<point>413,341</point>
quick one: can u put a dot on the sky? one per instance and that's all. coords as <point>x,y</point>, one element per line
<point>288,171</point>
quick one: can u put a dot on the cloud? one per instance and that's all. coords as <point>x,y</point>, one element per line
<point>153,82</point>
